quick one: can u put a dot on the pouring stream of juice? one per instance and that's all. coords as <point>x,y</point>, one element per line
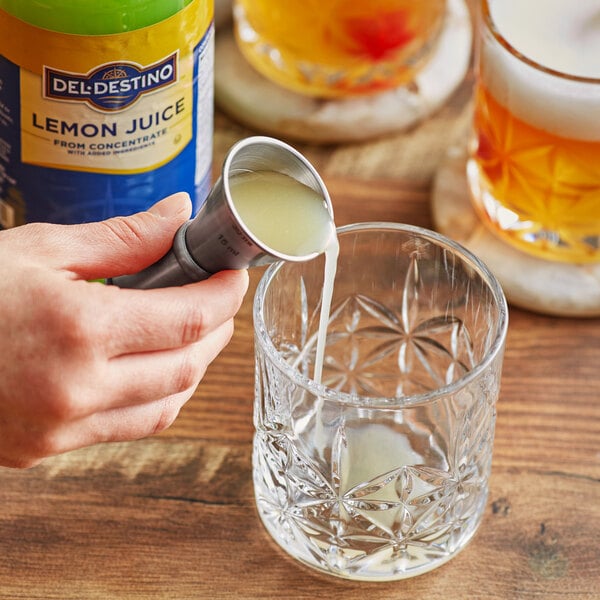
<point>293,219</point>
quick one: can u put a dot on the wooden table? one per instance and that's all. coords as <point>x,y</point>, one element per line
<point>174,517</point>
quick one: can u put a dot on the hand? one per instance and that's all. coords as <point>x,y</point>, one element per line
<point>82,362</point>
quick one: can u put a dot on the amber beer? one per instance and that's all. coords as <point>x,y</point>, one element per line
<point>333,48</point>
<point>534,170</point>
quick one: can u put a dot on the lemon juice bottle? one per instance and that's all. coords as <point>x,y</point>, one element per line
<point>105,107</point>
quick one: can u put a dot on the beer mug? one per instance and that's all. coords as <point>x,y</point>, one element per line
<point>333,48</point>
<point>534,166</point>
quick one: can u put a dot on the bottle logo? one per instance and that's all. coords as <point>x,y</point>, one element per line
<point>110,87</point>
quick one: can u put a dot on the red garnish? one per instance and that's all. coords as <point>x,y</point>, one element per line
<point>380,35</point>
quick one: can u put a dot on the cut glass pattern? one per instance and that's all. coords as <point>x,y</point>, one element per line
<point>390,489</point>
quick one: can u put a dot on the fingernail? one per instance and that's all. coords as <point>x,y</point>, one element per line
<point>172,206</point>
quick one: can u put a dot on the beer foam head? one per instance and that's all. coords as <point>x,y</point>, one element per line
<point>561,35</point>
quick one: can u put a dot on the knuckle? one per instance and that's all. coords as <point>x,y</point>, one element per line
<point>46,443</point>
<point>193,327</point>
<point>62,404</point>
<point>166,416</point>
<point>129,230</point>
<point>60,407</point>
<point>77,332</point>
<point>69,324</point>
<point>188,374</point>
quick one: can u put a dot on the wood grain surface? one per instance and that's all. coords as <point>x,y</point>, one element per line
<point>173,516</point>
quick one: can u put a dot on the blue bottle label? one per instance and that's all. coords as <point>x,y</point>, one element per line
<point>97,126</point>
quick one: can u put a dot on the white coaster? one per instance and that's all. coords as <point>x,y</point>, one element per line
<point>260,104</point>
<point>539,285</point>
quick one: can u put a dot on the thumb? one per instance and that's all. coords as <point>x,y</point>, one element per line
<point>124,245</point>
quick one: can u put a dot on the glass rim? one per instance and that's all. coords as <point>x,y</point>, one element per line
<point>492,27</point>
<point>387,402</point>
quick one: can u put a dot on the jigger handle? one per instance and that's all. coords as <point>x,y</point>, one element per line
<point>177,267</point>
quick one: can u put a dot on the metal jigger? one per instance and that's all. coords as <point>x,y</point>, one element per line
<point>216,238</point>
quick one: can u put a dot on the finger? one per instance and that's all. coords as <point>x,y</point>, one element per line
<point>112,247</point>
<point>124,245</point>
<point>116,422</point>
<point>116,425</point>
<point>144,320</point>
<point>133,379</point>
<point>128,423</point>
<point>142,378</point>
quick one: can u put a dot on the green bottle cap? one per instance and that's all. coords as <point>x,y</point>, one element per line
<point>91,17</point>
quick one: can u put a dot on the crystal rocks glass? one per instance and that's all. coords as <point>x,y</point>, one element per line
<point>380,472</point>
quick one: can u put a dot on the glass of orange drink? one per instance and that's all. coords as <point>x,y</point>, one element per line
<point>334,48</point>
<point>534,160</point>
